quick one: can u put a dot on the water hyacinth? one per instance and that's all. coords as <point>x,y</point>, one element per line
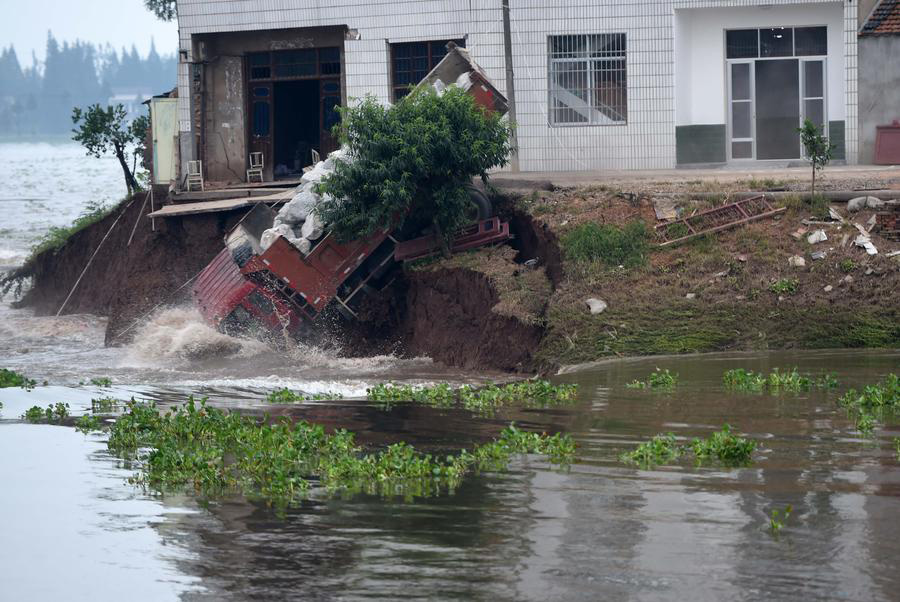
<point>212,451</point>
<point>285,395</point>
<point>872,403</point>
<point>10,378</point>
<point>480,400</point>
<point>724,446</point>
<point>776,381</point>
<point>659,379</point>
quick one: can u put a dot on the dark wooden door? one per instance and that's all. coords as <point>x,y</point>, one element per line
<point>261,125</point>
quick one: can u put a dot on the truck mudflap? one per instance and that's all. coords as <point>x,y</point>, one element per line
<point>236,305</point>
<point>481,233</point>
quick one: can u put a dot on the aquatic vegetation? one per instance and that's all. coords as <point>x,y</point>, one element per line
<point>723,445</point>
<point>287,396</point>
<point>659,379</point>
<point>661,449</point>
<point>105,405</point>
<point>897,446</point>
<point>482,400</point>
<point>792,381</point>
<point>212,451</point>
<point>872,403</point>
<point>88,423</point>
<point>52,414</point>
<point>102,381</point>
<point>775,522</point>
<point>10,378</point>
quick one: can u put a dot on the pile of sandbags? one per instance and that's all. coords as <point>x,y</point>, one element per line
<point>296,221</point>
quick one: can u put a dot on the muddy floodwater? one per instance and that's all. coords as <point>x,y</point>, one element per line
<point>74,529</point>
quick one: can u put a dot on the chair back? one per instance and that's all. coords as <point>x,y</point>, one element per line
<point>256,160</point>
<point>194,168</point>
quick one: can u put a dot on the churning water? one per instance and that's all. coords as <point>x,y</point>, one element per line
<point>72,528</point>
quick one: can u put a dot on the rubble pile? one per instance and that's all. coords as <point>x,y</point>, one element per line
<point>296,221</point>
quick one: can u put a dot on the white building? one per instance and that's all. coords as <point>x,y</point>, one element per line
<point>633,84</point>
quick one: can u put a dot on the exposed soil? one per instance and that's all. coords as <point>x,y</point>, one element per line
<point>523,309</point>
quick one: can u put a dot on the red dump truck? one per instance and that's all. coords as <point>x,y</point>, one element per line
<point>279,289</point>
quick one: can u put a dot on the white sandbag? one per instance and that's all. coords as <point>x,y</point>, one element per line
<point>341,154</point>
<point>268,236</point>
<point>312,227</point>
<point>302,244</point>
<point>315,174</point>
<point>296,210</point>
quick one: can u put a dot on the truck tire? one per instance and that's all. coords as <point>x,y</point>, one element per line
<point>482,208</point>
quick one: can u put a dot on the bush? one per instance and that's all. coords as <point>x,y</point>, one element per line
<point>613,246</point>
<point>411,161</point>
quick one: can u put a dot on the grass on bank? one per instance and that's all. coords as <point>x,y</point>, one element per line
<point>210,451</point>
<point>627,246</point>
<point>57,236</point>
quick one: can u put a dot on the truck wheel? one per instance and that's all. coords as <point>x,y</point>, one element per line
<point>481,207</point>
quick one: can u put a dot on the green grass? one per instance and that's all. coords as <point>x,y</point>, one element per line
<point>209,451</point>
<point>785,286</point>
<point>287,396</point>
<point>659,379</point>
<point>10,378</point>
<point>57,237</point>
<point>480,400</point>
<point>590,242</point>
<point>847,265</point>
<point>52,414</point>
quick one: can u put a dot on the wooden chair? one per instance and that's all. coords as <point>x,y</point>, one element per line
<point>194,175</point>
<point>256,167</point>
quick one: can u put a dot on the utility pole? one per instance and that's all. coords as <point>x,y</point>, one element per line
<point>510,85</point>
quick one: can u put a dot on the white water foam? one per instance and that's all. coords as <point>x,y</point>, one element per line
<point>181,333</point>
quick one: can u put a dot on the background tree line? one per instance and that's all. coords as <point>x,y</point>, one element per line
<point>39,99</point>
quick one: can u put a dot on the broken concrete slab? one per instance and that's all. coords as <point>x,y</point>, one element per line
<point>818,255</point>
<point>865,242</point>
<point>597,306</point>
<point>795,261</point>
<point>859,203</point>
<point>816,237</point>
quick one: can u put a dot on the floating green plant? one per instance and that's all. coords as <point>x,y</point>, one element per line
<point>724,446</point>
<point>88,423</point>
<point>287,396</point>
<point>105,405</point>
<point>661,449</point>
<point>792,381</point>
<point>897,446</point>
<point>776,524</point>
<point>10,378</point>
<point>658,380</point>
<point>52,414</point>
<point>482,400</point>
<point>872,403</point>
<point>212,451</point>
<point>102,381</point>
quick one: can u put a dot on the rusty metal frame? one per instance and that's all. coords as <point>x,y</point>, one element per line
<point>719,218</point>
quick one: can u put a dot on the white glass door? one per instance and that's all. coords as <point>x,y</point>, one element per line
<point>742,114</point>
<point>812,79</point>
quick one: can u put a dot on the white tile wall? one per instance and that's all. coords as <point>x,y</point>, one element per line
<point>646,141</point>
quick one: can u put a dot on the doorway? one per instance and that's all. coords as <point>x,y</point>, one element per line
<point>296,125</point>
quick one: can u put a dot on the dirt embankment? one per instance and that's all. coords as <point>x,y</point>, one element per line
<point>522,307</point>
<point>124,280</point>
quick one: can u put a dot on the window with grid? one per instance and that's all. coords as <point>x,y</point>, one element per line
<point>411,61</point>
<point>588,79</point>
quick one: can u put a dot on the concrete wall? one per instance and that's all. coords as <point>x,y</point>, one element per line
<point>647,140</point>
<point>879,88</point>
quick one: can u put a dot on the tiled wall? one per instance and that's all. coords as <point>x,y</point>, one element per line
<point>646,141</point>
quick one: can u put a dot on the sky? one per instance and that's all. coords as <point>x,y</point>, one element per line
<point>119,22</point>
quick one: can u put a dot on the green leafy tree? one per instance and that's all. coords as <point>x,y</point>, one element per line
<point>102,131</point>
<point>818,149</point>
<point>163,9</point>
<point>412,163</point>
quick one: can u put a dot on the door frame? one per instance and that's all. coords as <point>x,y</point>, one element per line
<point>728,114</point>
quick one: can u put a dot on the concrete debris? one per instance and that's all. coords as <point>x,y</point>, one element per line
<point>818,255</point>
<point>742,257</point>
<point>835,215</point>
<point>721,274</point>
<point>691,296</point>
<point>531,263</point>
<point>861,202</point>
<point>844,240</point>
<point>313,227</point>
<point>828,288</point>
<point>799,233</point>
<point>871,223</point>
<point>869,272</point>
<point>848,279</point>
<point>816,237</point>
<point>598,306</point>
<point>865,242</point>
<point>893,254</point>
<point>795,261</point>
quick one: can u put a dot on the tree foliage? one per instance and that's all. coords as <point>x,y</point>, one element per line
<point>104,130</point>
<point>411,161</point>
<point>163,9</point>
<point>818,148</point>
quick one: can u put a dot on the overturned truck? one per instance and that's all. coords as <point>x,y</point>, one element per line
<point>280,271</point>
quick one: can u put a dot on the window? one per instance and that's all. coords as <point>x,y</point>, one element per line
<point>773,42</point>
<point>411,62</point>
<point>294,64</point>
<point>588,81</point>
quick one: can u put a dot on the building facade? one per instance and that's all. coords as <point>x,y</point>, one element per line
<point>634,84</point>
